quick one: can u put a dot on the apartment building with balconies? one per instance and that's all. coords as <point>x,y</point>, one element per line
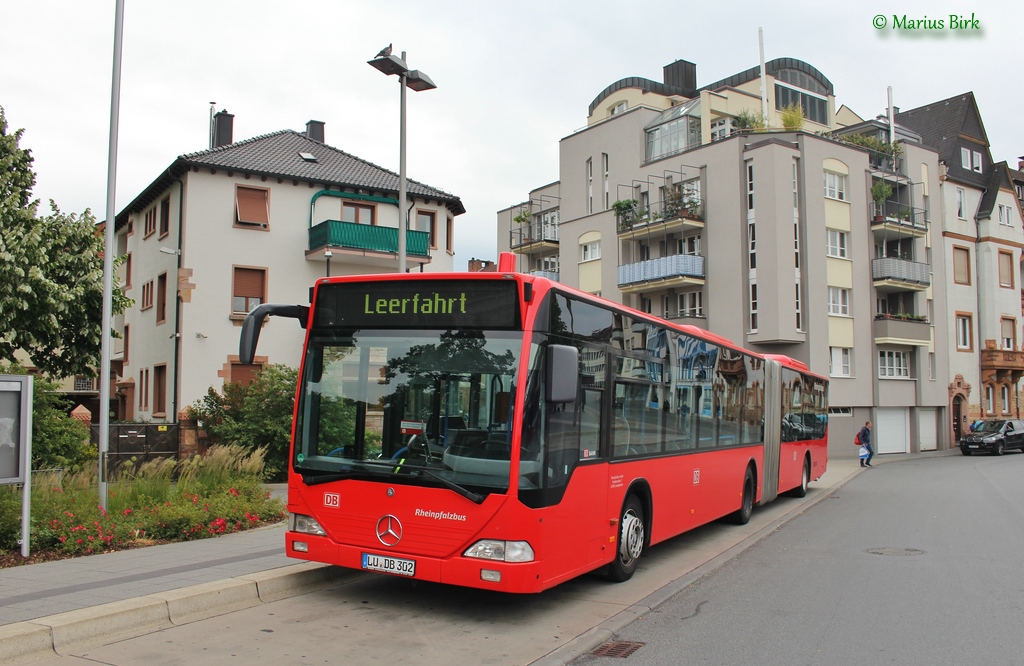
<point>223,230</point>
<point>672,201</point>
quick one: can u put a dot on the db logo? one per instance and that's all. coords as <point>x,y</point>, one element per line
<point>332,500</point>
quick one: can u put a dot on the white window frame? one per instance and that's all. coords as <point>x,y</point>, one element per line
<point>1004,216</point>
<point>590,251</point>
<point>893,364</point>
<point>839,361</point>
<point>977,161</point>
<point>961,203</point>
<point>752,291</point>
<point>965,158</point>
<point>1006,399</point>
<point>836,243</point>
<point>964,334</point>
<point>690,303</point>
<point>839,301</point>
<point>989,402</point>
<point>835,186</point>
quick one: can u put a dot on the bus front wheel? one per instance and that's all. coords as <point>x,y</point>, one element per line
<point>630,543</point>
<point>742,517</point>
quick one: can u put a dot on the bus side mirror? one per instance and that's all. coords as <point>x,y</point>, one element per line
<point>254,323</point>
<point>563,373</point>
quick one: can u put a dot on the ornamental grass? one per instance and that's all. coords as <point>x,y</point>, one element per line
<point>153,502</point>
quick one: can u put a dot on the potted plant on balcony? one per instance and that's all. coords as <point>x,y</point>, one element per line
<point>694,210</point>
<point>673,202</point>
<point>625,213</point>
<point>880,192</point>
<point>523,218</point>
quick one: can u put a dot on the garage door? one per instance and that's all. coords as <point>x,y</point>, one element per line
<point>892,430</point>
<point>926,427</point>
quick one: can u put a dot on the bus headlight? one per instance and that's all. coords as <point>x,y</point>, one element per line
<point>305,524</point>
<point>503,551</point>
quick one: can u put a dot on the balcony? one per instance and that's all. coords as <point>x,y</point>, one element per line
<point>551,275</point>
<point>893,219</point>
<point>890,329</point>
<point>534,238</point>
<point>679,270</point>
<point>684,213</point>
<point>365,245</point>
<point>894,274</point>
<point>1001,365</point>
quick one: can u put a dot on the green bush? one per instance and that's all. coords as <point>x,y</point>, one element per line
<point>255,416</point>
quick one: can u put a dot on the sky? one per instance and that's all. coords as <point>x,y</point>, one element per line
<point>513,78</point>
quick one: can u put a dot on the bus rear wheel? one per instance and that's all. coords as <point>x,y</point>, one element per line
<point>630,545</point>
<point>742,517</point>
<point>805,481</point>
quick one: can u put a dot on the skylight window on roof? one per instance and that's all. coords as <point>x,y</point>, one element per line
<point>309,157</point>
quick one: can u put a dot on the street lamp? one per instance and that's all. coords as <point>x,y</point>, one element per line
<point>391,64</point>
<point>327,255</point>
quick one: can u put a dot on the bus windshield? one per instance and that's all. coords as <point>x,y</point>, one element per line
<point>428,407</point>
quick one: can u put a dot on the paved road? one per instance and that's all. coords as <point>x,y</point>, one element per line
<point>368,619</point>
<point>913,563</point>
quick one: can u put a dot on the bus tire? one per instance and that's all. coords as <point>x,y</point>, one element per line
<point>630,544</point>
<point>742,517</point>
<point>805,480</point>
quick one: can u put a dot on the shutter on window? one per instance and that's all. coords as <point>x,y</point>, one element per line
<point>249,282</point>
<point>251,206</point>
<point>244,374</point>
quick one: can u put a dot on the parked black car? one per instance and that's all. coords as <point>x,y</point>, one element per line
<point>994,436</point>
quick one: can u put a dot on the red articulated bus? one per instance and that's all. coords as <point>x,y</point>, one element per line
<point>505,432</point>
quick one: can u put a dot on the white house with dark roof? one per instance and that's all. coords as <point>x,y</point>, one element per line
<point>223,230</point>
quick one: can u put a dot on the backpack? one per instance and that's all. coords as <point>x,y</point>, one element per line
<point>856,439</point>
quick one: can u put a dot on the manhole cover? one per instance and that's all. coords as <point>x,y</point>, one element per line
<point>621,649</point>
<point>895,552</point>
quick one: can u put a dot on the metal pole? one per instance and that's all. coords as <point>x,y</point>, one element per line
<point>108,256</point>
<point>403,219</point>
<point>26,488</point>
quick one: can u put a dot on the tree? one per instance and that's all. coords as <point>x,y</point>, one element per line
<point>51,274</point>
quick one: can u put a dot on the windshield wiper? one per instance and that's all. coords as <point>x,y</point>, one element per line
<point>349,470</point>
<point>312,480</point>
<point>451,485</point>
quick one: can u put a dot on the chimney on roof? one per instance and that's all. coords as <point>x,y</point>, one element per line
<point>315,130</point>
<point>681,74</point>
<point>481,266</point>
<point>223,123</point>
<point>1020,163</point>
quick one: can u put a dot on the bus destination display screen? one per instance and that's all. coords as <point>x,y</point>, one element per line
<point>477,304</point>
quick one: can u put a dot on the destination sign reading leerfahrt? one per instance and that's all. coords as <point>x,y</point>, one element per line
<point>476,304</point>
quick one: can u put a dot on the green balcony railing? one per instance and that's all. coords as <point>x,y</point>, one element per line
<point>336,233</point>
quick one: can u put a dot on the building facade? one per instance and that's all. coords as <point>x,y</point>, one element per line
<point>982,238</point>
<point>673,201</point>
<point>223,230</point>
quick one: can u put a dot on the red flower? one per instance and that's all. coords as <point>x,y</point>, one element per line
<point>233,491</point>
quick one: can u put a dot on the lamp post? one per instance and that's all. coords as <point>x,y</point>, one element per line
<point>391,64</point>
<point>327,255</point>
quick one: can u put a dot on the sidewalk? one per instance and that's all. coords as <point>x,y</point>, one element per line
<point>69,604</point>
